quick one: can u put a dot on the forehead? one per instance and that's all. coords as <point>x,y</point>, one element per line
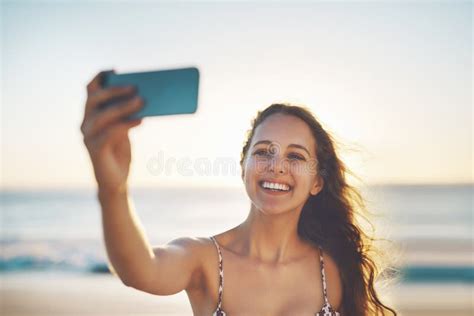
<point>285,129</point>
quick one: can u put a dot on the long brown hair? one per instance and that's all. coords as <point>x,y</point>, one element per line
<point>328,218</point>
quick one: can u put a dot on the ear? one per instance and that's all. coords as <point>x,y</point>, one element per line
<point>318,186</point>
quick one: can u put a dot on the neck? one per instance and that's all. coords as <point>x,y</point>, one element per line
<point>272,238</point>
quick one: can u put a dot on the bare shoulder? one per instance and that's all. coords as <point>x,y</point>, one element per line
<point>333,281</point>
<point>189,243</point>
<point>191,248</point>
<point>201,249</point>
<point>195,246</point>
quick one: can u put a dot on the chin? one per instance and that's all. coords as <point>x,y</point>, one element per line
<point>271,208</point>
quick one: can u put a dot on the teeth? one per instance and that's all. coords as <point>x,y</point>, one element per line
<point>275,186</point>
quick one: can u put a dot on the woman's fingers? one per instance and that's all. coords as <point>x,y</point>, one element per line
<point>102,96</point>
<point>102,126</point>
<point>112,114</point>
<point>95,84</point>
<point>93,87</point>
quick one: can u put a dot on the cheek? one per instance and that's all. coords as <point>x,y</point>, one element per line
<point>303,176</point>
<point>247,171</point>
<point>253,171</point>
<point>298,168</point>
<point>250,174</point>
<point>255,167</point>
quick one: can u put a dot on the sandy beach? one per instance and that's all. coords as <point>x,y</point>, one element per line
<point>54,294</point>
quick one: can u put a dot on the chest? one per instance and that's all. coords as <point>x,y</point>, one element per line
<point>260,289</point>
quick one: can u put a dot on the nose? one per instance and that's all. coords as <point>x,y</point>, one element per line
<point>278,165</point>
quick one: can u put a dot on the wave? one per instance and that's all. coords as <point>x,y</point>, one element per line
<point>88,256</point>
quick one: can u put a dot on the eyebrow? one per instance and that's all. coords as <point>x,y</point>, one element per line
<point>290,145</point>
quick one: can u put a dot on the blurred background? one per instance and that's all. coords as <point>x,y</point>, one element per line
<point>392,80</point>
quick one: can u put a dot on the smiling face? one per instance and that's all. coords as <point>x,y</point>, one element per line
<point>282,151</point>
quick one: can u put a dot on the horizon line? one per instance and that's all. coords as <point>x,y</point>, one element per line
<point>215,186</point>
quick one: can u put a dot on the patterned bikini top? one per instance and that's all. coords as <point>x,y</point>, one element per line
<point>326,310</point>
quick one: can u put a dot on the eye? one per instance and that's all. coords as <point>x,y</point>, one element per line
<point>265,153</point>
<point>262,152</point>
<point>296,156</point>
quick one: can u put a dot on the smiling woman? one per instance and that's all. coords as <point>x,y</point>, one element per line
<point>324,202</point>
<point>298,252</point>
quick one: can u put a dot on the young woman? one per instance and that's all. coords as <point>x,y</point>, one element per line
<point>299,251</point>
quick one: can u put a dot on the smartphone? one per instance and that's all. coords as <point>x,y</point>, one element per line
<point>164,92</point>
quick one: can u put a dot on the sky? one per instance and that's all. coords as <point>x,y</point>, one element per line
<point>392,81</point>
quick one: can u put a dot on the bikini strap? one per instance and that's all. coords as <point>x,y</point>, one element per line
<point>323,274</point>
<point>221,273</point>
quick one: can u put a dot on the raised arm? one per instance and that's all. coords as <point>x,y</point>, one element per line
<point>163,270</point>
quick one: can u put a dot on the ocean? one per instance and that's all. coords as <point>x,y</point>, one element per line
<point>60,230</point>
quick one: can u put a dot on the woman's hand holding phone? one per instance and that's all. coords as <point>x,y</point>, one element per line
<point>105,132</point>
<point>162,270</point>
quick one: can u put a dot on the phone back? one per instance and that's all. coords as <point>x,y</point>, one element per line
<point>164,92</point>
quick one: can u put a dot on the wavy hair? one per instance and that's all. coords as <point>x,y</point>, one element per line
<point>328,219</point>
